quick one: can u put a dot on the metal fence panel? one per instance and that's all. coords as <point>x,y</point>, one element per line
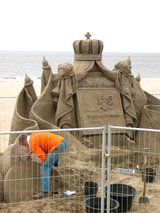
<point>81,162</point>
<point>135,167</point>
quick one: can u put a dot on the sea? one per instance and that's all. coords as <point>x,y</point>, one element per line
<point>15,64</point>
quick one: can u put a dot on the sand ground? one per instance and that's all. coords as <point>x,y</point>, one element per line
<point>12,88</point>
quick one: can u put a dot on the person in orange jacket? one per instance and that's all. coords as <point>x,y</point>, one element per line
<point>48,147</point>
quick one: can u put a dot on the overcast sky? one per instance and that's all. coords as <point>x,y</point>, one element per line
<point>53,25</point>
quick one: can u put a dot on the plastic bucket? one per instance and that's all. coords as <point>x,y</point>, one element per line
<point>93,205</point>
<point>124,194</point>
<point>90,188</point>
<point>150,175</point>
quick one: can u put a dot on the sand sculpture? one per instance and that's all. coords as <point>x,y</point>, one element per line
<point>82,94</point>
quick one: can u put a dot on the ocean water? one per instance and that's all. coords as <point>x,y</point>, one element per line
<point>14,65</point>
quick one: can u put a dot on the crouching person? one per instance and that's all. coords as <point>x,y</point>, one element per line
<point>48,147</point>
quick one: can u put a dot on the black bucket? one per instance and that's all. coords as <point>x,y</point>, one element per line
<point>124,194</point>
<point>90,189</point>
<point>93,205</point>
<point>150,175</point>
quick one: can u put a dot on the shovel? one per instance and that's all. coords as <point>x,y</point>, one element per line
<point>144,199</point>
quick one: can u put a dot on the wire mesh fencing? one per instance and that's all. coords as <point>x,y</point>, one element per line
<point>135,165</point>
<point>95,167</point>
<point>79,165</point>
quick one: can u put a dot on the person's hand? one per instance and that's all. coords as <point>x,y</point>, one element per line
<point>29,155</point>
<point>35,158</point>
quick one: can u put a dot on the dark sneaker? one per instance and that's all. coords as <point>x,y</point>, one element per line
<point>40,195</point>
<point>56,164</point>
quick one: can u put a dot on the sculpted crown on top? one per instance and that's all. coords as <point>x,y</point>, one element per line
<point>88,49</point>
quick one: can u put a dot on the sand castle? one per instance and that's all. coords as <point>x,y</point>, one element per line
<point>83,94</point>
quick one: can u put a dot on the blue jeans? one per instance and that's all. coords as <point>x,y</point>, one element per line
<point>46,167</point>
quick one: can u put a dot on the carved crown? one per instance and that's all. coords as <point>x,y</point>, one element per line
<point>88,49</point>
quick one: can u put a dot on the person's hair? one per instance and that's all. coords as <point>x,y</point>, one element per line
<point>22,139</point>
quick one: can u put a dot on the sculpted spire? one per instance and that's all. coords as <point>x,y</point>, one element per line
<point>129,60</point>
<point>45,64</point>
<point>28,80</point>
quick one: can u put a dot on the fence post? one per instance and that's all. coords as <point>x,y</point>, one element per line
<point>103,167</point>
<point>108,169</point>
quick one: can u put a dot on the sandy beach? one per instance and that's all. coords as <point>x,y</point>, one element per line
<point>9,90</point>
<point>151,85</point>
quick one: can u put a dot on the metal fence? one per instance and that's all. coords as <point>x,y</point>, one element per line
<point>123,169</point>
<point>134,168</point>
<point>80,163</point>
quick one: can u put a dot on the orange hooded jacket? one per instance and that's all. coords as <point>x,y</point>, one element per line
<point>44,142</point>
